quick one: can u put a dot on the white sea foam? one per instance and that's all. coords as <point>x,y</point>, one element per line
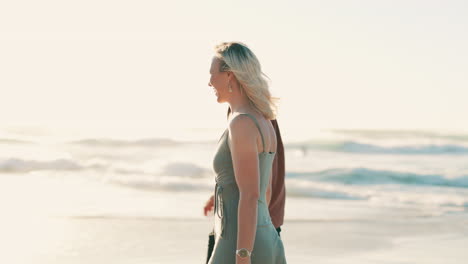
<point>21,165</point>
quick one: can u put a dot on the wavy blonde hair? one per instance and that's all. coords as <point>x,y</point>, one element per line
<point>237,58</point>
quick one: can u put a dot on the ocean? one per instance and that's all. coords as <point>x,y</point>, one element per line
<point>382,168</point>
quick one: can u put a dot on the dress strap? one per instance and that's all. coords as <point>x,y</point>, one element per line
<point>258,126</point>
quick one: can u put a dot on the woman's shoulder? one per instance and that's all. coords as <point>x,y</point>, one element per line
<point>241,122</point>
<point>245,115</point>
<point>242,125</point>
<point>246,120</point>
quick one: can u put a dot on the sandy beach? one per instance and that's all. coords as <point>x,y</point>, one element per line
<point>359,234</point>
<point>148,240</point>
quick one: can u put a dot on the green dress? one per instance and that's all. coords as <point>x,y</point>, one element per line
<point>268,246</point>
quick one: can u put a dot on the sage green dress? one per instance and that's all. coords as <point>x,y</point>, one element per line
<point>268,246</point>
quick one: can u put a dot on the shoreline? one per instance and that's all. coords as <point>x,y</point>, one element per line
<point>98,239</point>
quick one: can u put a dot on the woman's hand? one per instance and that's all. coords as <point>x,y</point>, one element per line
<point>209,205</point>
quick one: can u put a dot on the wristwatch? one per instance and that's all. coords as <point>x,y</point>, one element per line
<point>243,253</point>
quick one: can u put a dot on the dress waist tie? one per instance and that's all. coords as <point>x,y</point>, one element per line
<point>219,206</point>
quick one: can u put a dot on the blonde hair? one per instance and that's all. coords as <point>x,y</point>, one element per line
<point>237,58</point>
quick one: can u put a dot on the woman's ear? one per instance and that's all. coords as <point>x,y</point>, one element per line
<point>230,76</point>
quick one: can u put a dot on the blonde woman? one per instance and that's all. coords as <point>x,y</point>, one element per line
<point>244,232</point>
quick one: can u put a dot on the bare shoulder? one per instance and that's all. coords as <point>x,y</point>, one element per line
<point>241,126</point>
<point>242,131</point>
<point>241,122</point>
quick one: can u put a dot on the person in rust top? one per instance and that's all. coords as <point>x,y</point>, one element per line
<point>278,190</point>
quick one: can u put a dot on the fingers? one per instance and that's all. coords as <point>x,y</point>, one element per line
<point>207,209</point>
<point>209,205</point>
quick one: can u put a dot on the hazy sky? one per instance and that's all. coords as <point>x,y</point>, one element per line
<point>144,64</point>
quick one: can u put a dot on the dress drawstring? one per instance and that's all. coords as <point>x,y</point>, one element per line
<point>219,206</point>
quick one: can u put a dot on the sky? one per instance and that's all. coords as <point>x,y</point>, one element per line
<point>138,66</point>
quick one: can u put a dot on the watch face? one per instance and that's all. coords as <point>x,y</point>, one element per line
<point>242,253</point>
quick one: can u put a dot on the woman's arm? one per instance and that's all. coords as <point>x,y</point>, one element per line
<point>244,153</point>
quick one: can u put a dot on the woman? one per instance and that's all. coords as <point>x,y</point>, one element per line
<point>244,232</point>
<point>278,190</point>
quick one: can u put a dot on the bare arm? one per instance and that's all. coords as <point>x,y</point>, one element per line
<point>244,154</point>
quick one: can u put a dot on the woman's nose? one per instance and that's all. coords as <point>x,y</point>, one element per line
<point>209,84</point>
